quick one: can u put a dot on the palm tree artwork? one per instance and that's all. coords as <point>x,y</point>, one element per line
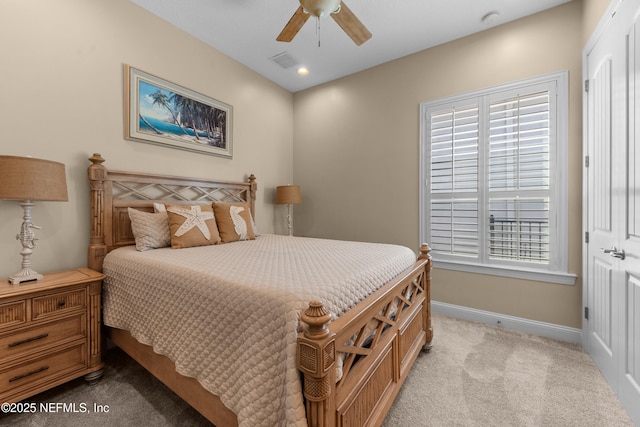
<point>180,117</point>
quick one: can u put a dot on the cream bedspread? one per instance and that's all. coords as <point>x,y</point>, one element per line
<point>228,314</point>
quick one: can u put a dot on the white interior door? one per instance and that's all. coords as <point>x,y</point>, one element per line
<point>612,270</point>
<point>602,120</point>
<point>629,270</point>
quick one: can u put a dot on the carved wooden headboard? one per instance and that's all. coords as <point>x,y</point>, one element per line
<point>112,192</point>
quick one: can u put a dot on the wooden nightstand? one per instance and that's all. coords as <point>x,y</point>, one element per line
<point>49,332</point>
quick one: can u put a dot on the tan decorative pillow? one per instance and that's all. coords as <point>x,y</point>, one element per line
<point>234,221</point>
<point>150,230</point>
<point>192,226</point>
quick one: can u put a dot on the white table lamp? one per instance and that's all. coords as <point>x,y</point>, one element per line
<point>289,195</point>
<point>28,180</point>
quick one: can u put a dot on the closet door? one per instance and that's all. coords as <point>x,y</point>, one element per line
<point>629,239</point>
<point>612,203</point>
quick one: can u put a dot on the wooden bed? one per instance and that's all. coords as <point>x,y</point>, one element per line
<point>373,370</point>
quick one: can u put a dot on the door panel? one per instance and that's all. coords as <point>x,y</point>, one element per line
<point>633,330</point>
<point>612,282</point>
<point>601,319</point>
<point>601,120</point>
<point>602,311</point>
<point>629,386</point>
<point>601,291</point>
<point>633,176</point>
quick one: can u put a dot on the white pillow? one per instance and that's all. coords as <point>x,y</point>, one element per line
<point>150,230</point>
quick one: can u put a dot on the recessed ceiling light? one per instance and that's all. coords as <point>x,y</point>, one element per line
<point>303,71</point>
<point>490,17</point>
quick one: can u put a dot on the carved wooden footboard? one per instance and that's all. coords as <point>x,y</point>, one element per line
<point>377,341</point>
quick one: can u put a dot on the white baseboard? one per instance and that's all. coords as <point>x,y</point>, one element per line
<point>548,330</point>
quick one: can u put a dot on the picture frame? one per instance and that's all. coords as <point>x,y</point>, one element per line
<point>164,113</point>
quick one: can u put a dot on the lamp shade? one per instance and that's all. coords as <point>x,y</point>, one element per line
<point>26,178</point>
<point>288,195</point>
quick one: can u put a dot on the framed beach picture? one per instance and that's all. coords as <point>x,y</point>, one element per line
<point>161,112</point>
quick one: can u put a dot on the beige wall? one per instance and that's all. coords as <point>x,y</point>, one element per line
<point>593,11</point>
<point>356,151</point>
<point>352,144</point>
<point>61,98</point>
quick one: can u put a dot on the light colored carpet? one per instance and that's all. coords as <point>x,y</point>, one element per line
<point>481,375</point>
<point>476,375</point>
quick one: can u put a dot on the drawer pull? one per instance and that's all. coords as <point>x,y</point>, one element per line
<point>17,343</point>
<point>61,303</point>
<point>19,377</point>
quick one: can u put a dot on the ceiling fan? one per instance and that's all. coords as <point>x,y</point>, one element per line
<point>320,8</point>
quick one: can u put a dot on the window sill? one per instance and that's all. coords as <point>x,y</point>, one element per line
<point>519,273</point>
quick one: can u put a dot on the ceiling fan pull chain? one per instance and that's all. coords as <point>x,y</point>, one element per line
<point>318,29</point>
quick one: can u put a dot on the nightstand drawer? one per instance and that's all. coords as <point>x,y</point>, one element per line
<point>58,303</point>
<point>13,314</point>
<point>45,369</point>
<point>29,340</point>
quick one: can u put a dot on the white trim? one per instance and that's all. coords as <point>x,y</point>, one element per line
<point>561,169</point>
<point>549,330</point>
<point>515,273</point>
<point>603,23</point>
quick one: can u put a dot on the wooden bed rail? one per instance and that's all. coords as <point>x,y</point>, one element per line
<point>401,312</point>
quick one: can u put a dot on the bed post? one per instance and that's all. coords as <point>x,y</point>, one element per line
<point>316,360</point>
<point>424,254</point>
<point>253,188</point>
<point>97,247</point>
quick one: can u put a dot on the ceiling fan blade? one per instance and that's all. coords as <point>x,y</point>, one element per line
<point>351,25</point>
<point>293,26</point>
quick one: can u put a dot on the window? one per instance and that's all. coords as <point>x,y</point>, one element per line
<point>493,193</point>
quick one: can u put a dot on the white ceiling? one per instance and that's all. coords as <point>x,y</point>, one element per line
<point>246,31</point>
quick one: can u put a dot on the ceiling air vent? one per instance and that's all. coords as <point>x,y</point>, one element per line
<point>284,59</point>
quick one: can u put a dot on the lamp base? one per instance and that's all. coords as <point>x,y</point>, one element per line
<point>289,220</point>
<point>27,240</point>
<point>26,275</point>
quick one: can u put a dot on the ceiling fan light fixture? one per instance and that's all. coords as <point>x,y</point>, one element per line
<point>340,13</point>
<point>320,8</point>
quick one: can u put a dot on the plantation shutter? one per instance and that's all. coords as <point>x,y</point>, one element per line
<point>518,177</point>
<point>494,187</point>
<point>454,136</point>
